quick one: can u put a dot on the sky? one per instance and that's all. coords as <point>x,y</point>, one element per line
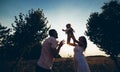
<point>58,13</point>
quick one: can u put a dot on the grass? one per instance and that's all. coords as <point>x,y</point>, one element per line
<point>96,64</point>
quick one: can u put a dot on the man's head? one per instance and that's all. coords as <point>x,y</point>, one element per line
<point>53,33</point>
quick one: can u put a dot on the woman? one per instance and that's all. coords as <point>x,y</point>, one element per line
<point>81,64</point>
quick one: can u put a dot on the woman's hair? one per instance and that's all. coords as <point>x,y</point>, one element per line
<point>84,42</point>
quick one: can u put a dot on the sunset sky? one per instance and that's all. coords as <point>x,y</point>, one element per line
<point>58,13</point>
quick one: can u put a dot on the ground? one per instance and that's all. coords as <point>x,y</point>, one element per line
<point>96,64</point>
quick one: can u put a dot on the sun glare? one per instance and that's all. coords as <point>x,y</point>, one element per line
<point>67,51</point>
<point>58,20</point>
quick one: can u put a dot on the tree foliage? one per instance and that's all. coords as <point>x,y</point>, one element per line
<point>4,34</point>
<point>28,32</point>
<point>103,29</point>
<point>30,28</point>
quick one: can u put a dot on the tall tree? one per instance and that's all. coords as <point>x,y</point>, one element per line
<point>4,34</point>
<point>29,31</point>
<point>103,29</point>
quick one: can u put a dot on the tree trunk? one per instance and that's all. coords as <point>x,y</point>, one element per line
<point>3,61</point>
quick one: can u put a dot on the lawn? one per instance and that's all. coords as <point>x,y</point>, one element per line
<point>96,64</point>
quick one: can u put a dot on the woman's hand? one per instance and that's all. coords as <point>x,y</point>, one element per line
<point>72,44</point>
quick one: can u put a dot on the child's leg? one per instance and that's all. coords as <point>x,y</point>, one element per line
<point>68,39</point>
<point>74,39</point>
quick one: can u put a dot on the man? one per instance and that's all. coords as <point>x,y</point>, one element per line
<point>50,49</point>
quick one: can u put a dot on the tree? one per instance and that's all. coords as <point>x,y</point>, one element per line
<point>29,32</point>
<point>103,29</point>
<point>4,34</point>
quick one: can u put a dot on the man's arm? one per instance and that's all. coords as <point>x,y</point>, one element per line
<point>60,45</point>
<point>55,51</point>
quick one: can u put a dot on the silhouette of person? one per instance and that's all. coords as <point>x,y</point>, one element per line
<point>81,64</point>
<point>70,33</point>
<point>50,48</point>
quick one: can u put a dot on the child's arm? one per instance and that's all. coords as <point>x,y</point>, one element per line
<point>63,30</point>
